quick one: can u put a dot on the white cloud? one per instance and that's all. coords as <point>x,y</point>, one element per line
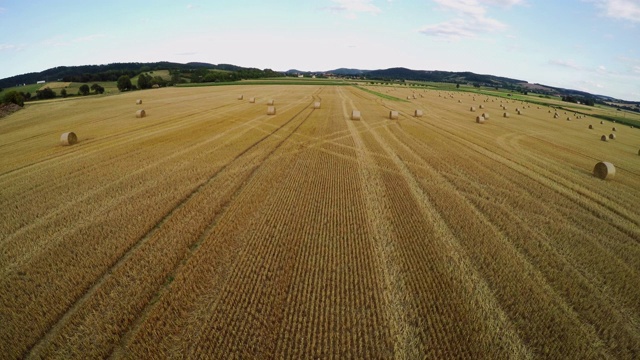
<point>565,63</point>
<point>5,47</point>
<point>471,18</point>
<point>620,9</point>
<point>351,7</point>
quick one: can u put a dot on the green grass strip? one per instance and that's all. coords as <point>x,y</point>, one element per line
<point>384,96</point>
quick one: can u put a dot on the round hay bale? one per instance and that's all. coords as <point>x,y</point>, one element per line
<point>603,137</point>
<point>568,119</point>
<point>555,116</point>
<point>506,114</point>
<point>485,115</point>
<point>613,129</point>
<point>418,113</point>
<point>141,113</point>
<point>355,115</point>
<point>481,106</point>
<point>604,170</point>
<point>271,102</point>
<point>252,100</point>
<point>612,136</point>
<point>316,105</point>
<point>240,97</point>
<point>271,110</point>
<point>408,97</point>
<point>480,119</point>
<point>590,126</point>
<point>520,112</point>
<point>68,138</point>
<point>601,122</point>
<point>473,108</point>
<point>139,102</point>
<point>393,115</point>
<point>518,109</point>
<point>459,101</point>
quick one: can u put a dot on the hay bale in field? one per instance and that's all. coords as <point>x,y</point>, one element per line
<point>485,115</point>
<point>141,113</point>
<point>139,102</point>
<point>481,106</point>
<point>316,105</point>
<point>68,138</point>
<point>520,112</point>
<point>555,116</point>
<point>355,115</point>
<point>518,109</point>
<point>393,115</point>
<point>459,101</point>
<point>590,126</point>
<point>271,110</point>
<point>418,113</point>
<point>604,170</point>
<point>603,137</point>
<point>601,122</point>
<point>240,97</point>
<point>612,136</point>
<point>568,119</point>
<point>271,102</point>
<point>473,108</point>
<point>480,119</point>
<point>506,114</point>
<point>252,100</point>
<point>613,129</point>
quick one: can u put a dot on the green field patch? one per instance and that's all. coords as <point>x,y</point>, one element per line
<point>384,96</point>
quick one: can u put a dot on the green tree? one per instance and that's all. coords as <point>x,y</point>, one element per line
<point>45,93</point>
<point>158,80</point>
<point>176,78</point>
<point>63,93</point>
<point>97,89</point>
<point>124,83</point>
<point>13,97</point>
<point>144,81</point>
<point>84,90</point>
<point>457,86</point>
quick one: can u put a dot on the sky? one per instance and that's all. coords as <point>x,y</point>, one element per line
<point>587,45</point>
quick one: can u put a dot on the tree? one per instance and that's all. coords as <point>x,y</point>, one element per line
<point>63,93</point>
<point>84,90</point>
<point>457,86</point>
<point>13,97</point>
<point>124,83</point>
<point>158,80</point>
<point>45,93</point>
<point>176,78</point>
<point>97,89</point>
<point>144,81</point>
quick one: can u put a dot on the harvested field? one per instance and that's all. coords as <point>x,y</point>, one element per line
<point>211,229</point>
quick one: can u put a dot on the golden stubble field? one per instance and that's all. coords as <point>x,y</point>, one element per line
<point>209,229</point>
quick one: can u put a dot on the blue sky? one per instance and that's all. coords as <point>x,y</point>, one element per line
<point>589,45</point>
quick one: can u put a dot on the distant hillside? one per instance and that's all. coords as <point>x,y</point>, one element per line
<point>197,72</point>
<point>441,76</point>
<point>108,72</point>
